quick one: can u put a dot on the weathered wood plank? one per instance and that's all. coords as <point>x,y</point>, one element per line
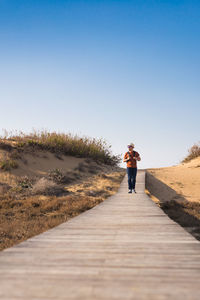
<point>124,248</point>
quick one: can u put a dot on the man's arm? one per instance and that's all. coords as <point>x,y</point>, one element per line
<point>126,158</point>
<point>138,158</point>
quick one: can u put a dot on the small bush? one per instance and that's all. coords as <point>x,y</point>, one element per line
<point>194,152</point>
<point>25,182</point>
<point>20,144</point>
<point>57,176</point>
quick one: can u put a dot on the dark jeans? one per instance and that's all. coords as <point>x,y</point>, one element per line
<point>132,172</point>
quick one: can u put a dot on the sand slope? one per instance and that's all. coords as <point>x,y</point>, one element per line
<point>177,182</point>
<point>41,163</point>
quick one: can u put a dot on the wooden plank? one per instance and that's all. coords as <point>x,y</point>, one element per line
<point>124,248</point>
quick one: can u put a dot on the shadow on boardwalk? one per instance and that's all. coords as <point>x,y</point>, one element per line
<point>179,209</point>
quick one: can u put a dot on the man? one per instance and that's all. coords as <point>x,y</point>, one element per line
<point>131,157</point>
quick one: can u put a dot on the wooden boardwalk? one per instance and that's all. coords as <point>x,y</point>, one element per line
<point>124,248</point>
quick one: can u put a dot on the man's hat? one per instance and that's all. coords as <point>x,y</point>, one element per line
<point>131,145</point>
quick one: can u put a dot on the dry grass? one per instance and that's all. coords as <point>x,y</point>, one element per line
<point>193,152</point>
<point>7,159</point>
<point>23,215</point>
<point>60,143</point>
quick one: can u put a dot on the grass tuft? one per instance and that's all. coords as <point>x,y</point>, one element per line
<point>57,176</point>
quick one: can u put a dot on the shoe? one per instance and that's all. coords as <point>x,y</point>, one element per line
<point>130,191</point>
<point>135,191</point>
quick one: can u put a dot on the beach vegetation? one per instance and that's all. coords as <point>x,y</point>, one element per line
<point>64,144</point>
<point>193,152</point>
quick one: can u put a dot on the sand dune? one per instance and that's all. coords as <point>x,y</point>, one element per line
<point>41,163</point>
<point>177,182</point>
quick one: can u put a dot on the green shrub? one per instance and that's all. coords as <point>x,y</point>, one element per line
<point>57,176</point>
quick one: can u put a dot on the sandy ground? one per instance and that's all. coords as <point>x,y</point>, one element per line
<point>181,182</point>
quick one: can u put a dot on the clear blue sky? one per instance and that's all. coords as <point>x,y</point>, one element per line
<point>127,71</point>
